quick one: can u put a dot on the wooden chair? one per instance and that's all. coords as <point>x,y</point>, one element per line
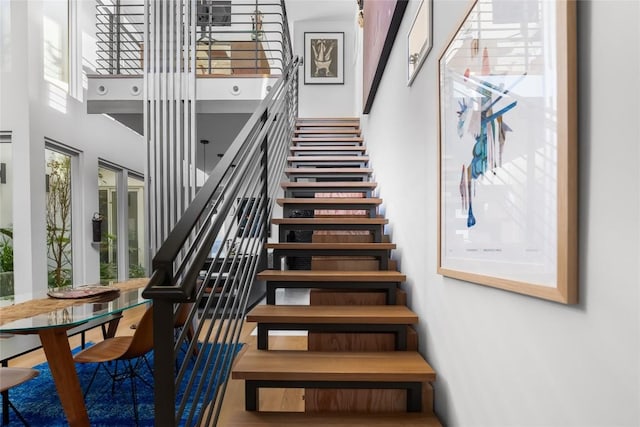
<point>126,349</point>
<point>9,378</point>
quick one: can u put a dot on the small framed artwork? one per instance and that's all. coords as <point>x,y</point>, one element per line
<point>508,173</point>
<point>419,40</point>
<point>324,58</point>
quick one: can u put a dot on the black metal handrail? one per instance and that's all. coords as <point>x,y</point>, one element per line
<point>203,274</point>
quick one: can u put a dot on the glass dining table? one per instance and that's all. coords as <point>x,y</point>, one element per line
<point>51,318</point>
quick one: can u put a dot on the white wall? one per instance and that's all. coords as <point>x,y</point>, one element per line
<point>33,109</point>
<point>504,359</point>
<point>328,100</point>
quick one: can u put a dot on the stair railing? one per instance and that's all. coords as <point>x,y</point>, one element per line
<point>232,38</point>
<point>203,275</point>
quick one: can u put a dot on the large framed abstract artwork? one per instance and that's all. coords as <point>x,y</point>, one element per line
<point>508,149</point>
<point>382,19</point>
<point>324,58</point>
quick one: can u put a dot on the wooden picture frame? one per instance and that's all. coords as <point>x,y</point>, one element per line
<point>419,39</point>
<point>324,58</point>
<point>508,198</point>
<point>382,19</point>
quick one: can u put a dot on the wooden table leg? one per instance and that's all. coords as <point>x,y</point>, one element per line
<point>56,347</point>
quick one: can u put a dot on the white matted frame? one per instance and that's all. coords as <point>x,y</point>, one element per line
<point>508,149</point>
<point>323,58</point>
<point>419,39</point>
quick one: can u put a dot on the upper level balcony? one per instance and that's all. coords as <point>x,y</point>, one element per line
<point>240,50</point>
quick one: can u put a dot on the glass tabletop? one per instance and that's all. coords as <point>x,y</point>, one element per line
<point>74,313</point>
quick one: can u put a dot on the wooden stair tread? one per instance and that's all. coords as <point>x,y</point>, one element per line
<point>330,200</point>
<point>328,158</point>
<point>326,131</point>
<point>333,314</point>
<point>333,119</point>
<point>328,139</point>
<point>332,419</point>
<point>292,365</point>
<point>328,170</point>
<point>331,184</point>
<point>328,124</point>
<point>359,148</point>
<point>350,220</point>
<point>330,246</point>
<point>331,276</point>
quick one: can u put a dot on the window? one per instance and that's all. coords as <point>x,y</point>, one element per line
<point>6,216</point>
<point>55,31</point>
<point>121,207</point>
<point>58,218</point>
<point>108,210</point>
<point>135,226</point>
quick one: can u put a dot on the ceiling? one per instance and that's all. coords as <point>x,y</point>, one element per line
<point>321,10</point>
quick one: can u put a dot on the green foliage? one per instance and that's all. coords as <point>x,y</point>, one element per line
<point>136,270</point>
<point>107,272</point>
<point>6,284</point>
<point>6,262</point>
<point>7,232</point>
<point>6,255</point>
<point>59,278</point>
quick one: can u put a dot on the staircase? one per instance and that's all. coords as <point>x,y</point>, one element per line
<point>362,366</point>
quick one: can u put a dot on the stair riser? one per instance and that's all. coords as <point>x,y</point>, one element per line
<point>307,193</point>
<point>372,210</point>
<point>399,331</point>
<point>381,255</point>
<point>331,164</point>
<point>360,401</point>
<point>341,142</point>
<point>376,230</point>
<point>389,288</point>
<point>413,389</point>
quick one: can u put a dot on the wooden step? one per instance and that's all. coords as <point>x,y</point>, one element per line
<point>369,204</point>
<point>324,318</point>
<point>297,173</point>
<point>309,189</point>
<point>379,251</point>
<point>327,131</point>
<point>327,119</point>
<point>330,419</point>
<point>320,141</point>
<point>333,201</point>
<point>328,124</point>
<point>331,276</point>
<point>374,225</point>
<point>333,314</point>
<point>309,369</point>
<point>327,160</point>
<point>386,281</point>
<point>327,149</point>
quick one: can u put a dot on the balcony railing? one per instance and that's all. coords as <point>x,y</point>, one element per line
<point>233,38</point>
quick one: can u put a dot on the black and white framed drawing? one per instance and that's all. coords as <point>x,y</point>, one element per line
<point>323,58</point>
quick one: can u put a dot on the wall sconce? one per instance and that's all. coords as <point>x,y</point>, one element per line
<point>3,173</point>
<point>96,227</point>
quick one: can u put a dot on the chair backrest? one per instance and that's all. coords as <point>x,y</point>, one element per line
<point>142,341</point>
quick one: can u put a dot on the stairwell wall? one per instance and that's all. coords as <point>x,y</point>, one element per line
<point>321,100</point>
<point>504,359</point>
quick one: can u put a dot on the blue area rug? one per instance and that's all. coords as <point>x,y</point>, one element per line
<point>37,400</point>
